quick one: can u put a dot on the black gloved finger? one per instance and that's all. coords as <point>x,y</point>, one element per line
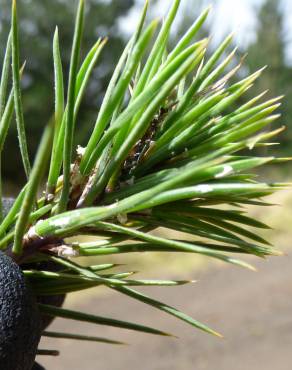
<point>20,321</point>
<point>7,203</point>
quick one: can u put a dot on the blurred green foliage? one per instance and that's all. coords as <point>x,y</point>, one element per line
<point>269,49</point>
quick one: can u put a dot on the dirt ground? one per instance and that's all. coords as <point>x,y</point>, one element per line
<point>252,310</point>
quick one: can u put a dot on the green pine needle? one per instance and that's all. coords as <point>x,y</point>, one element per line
<point>69,126</point>
<point>17,91</point>
<point>80,316</point>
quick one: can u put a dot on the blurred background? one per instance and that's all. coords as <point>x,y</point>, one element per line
<point>254,311</point>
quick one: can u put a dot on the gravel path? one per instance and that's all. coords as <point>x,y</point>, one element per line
<point>252,310</point>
